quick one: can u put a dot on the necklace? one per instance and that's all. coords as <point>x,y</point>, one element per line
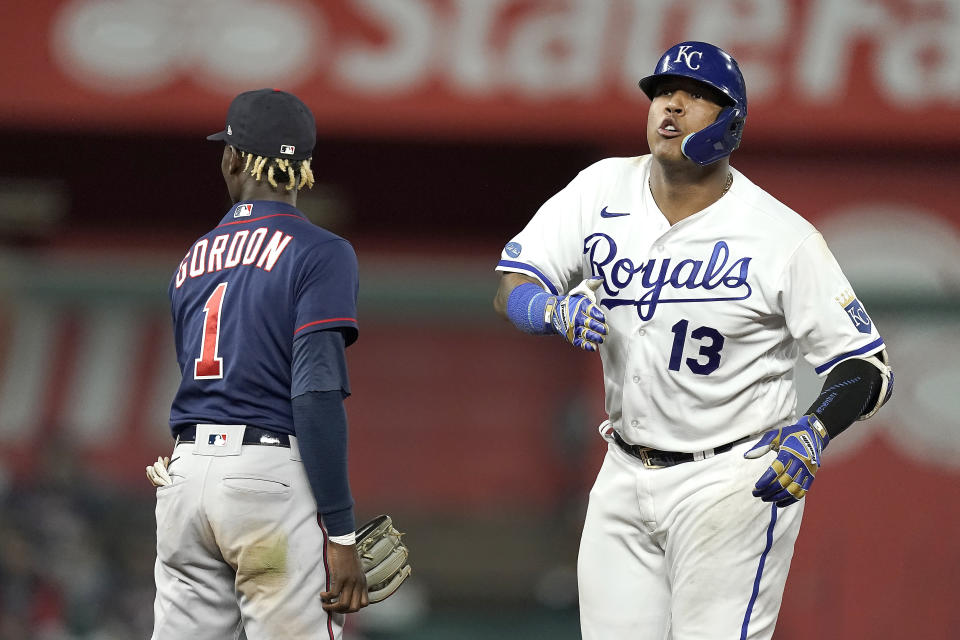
<point>726,185</point>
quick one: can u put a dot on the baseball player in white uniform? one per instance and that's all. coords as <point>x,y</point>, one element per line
<point>699,290</point>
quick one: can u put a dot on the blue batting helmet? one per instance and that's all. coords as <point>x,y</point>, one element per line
<point>716,68</point>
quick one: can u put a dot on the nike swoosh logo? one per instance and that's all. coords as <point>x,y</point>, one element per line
<point>611,214</point>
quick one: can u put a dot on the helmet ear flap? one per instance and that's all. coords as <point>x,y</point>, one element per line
<point>718,139</point>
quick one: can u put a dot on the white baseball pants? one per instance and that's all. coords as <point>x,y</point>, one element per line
<point>683,552</point>
<point>238,544</point>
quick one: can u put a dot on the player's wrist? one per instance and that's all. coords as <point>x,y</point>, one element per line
<point>531,309</point>
<point>346,539</point>
<point>550,314</point>
<point>819,428</point>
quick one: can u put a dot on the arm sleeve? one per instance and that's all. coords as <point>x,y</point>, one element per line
<point>320,363</point>
<point>550,247</point>
<point>326,291</point>
<point>851,387</point>
<point>321,425</point>
<point>822,313</point>
<point>320,384</point>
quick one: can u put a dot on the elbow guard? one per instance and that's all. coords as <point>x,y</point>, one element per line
<point>881,362</point>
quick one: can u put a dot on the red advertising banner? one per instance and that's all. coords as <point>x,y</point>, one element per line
<point>879,71</point>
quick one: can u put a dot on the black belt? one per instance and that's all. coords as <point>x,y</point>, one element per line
<point>251,435</point>
<point>657,459</point>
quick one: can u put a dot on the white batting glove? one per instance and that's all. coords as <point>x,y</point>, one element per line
<point>157,473</point>
<point>577,317</point>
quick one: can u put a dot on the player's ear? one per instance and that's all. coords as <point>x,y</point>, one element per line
<point>232,160</point>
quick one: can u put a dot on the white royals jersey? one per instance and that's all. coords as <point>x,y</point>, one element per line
<point>706,317</point>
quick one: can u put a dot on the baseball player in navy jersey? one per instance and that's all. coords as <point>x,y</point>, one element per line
<point>699,290</point>
<point>255,523</point>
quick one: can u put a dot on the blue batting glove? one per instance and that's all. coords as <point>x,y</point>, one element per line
<point>791,475</point>
<point>577,317</point>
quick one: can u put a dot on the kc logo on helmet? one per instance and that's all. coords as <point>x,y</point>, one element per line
<point>287,149</point>
<point>685,56</point>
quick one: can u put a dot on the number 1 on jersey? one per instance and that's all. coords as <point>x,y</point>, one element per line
<point>210,365</point>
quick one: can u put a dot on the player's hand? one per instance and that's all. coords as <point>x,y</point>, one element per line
<point>577,317</point>
<point>157,473</point>
<point>791,475</point>
<point>348,584</point>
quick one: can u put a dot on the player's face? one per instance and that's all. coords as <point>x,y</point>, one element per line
<point>680,106</point>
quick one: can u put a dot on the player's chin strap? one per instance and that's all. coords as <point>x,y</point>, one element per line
<point>881,362</point>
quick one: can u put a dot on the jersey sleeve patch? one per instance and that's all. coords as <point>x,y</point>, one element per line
<point>855,311</point>
<point>513,249</point>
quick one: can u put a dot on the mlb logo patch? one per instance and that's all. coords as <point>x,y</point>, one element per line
<point>243,210</point>
<point>287,149</point>
<point>217,439</point>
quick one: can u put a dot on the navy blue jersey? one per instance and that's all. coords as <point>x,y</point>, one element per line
<point>245,290</point>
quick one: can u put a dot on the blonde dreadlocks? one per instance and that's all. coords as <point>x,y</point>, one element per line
<point>286,171</point>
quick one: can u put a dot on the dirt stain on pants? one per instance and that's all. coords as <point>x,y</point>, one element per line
<point>262,578</point>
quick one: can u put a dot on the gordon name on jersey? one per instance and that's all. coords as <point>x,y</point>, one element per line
<point>232,249</point>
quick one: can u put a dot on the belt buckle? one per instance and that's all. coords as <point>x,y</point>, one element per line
<point>644,454</point>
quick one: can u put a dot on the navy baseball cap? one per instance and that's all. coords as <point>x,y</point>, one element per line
<point>270,123</point>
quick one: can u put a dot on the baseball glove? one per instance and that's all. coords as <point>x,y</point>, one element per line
<point>383,557</point>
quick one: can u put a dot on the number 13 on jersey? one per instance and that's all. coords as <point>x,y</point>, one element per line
<point>710,341</point>
<point>210,365</point>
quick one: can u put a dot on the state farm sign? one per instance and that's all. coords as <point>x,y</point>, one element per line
<point>564,66</point>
